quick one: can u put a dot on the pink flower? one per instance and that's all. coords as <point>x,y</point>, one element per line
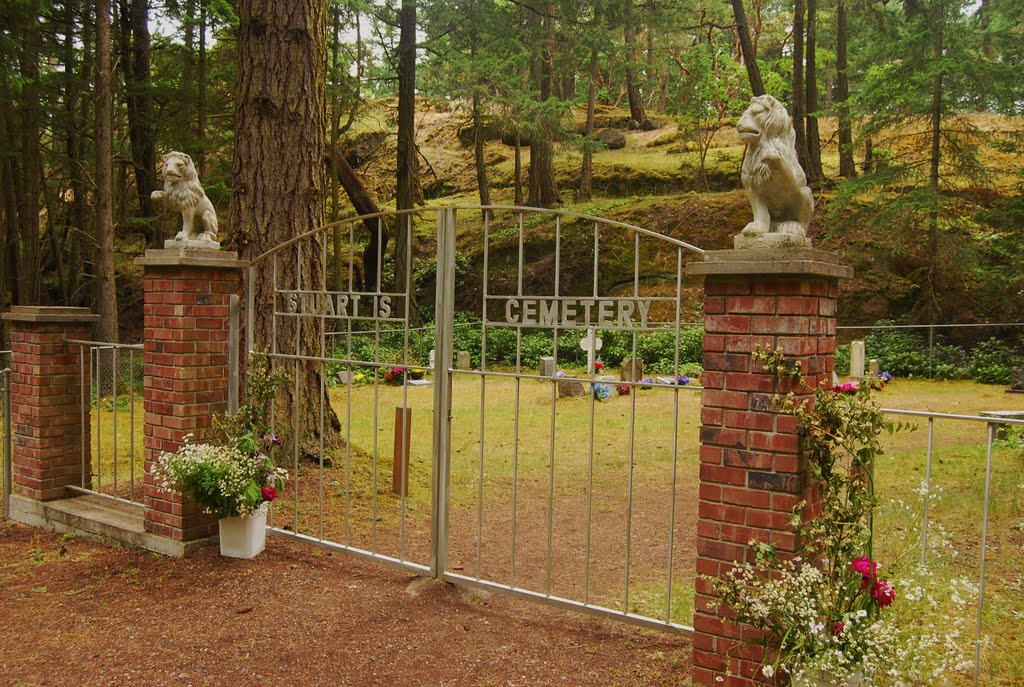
<point>837,629</point>
<point>883,592</point>
<point>269,493</point>
<point>846,388</point>
<point>865,566</point>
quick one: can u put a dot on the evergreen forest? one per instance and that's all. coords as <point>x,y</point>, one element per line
<point>907,114</point>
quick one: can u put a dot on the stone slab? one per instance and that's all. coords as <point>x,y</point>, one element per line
<point>420,382</point>
<point>788,261</point>
<point>100,519</point>
<point>190,257</point>
<point>177,244</point>
<point>49,314</point>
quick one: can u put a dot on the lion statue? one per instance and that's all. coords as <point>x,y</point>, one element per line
<point>183,193</point>
<point>773,179</point>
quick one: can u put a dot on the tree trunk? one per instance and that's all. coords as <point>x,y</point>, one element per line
<point>815,173</point>
<point>934,163</point>
<point>407,162</point>
<point>364,204</point>
<point>278,189</point>
<point>478,155</point>
<point>337,238</point>
<point>747,48</point>
<point>28,213</point>
<point>799,111</point>
<point>106,292</point>
<point>201,94</point>
<point>517,166</point>
<point>542,189</point>
<point>135,65</point>
<point>847,168</point>
<point>586,191</point>
<point>636,105</point>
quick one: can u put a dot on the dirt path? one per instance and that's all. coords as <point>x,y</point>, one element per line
<point>76,613</point>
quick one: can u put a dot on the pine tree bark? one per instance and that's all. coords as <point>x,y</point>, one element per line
<point>135,63</point>
<point>814,170</point>
<point>106,293</point>
<point>934,166</point>
<point>407,162</point>
<point>364,204</point>
<point>278,190</point>
<point>747,48</point>
<point>847,168</point>
<point>543,192</point>
<point>31,166</point>
<point>586,190</point>
<point>636,105</point>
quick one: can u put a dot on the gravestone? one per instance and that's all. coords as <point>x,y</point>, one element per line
<point>857,359</point>
<point>547,366</point>
<point>463,361</point>
<point>431,359</point>
<point>568,388</point>
<point>345,377</point>
<point>632,370</point>
<point>591,344</point>
<point>874,367</point>
<point>1016,381</point>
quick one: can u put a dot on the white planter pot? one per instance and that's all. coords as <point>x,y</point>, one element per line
<point>244,536</point>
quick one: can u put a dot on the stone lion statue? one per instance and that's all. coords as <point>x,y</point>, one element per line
<point>773,179</point>
<point>183,193</point>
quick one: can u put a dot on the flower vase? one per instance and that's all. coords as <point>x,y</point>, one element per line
<point>244,536</point>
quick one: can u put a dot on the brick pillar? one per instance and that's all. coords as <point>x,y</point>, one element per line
<point>46,399</point>
<point>751,471</point>
<point>186,308</point>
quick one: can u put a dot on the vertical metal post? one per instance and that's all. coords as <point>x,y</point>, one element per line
<point>444,314</point>
<point>931,351</point>
<point>234,306</point>
<point>5,392</point>
<point>927,492</point>
<point>250,307</point>
<point>984,545</point>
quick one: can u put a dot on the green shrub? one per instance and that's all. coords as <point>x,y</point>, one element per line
<point>993,360</point>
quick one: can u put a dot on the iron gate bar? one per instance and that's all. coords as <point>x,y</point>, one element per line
<point>561,602</point>
<point>444,309</point>
<point>675,439</point>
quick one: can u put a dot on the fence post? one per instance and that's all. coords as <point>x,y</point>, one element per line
<point>752,475</point>
<point>187,309</point>
<point>444,312</point>
<point>47,399</point>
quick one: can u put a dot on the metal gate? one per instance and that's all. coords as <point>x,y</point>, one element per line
<point>496,468</point>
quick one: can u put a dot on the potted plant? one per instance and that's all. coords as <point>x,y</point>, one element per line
<point>233,476</point>
<point>828,615</point>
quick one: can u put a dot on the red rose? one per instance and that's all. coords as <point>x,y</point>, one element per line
<point>837,629</point>
<point>269,493</point>
<point>883,592</point>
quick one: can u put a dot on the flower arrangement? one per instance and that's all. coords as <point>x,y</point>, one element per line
<point>623,389</point>
<point>683,381</point>
<point>233,475</point>
<point>602,392</point>
<point>646,383</point>
<point>394,375</point>
<point>598,367</point>
<point>827,612</point>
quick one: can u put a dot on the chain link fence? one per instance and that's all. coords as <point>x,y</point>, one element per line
<point>986,353</point>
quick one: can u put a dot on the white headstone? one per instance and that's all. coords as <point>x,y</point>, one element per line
<point>874,367</point>
<point>857,359</point>
<point>431,358</point>
<point>591,344</point>
<point>547,366</point>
